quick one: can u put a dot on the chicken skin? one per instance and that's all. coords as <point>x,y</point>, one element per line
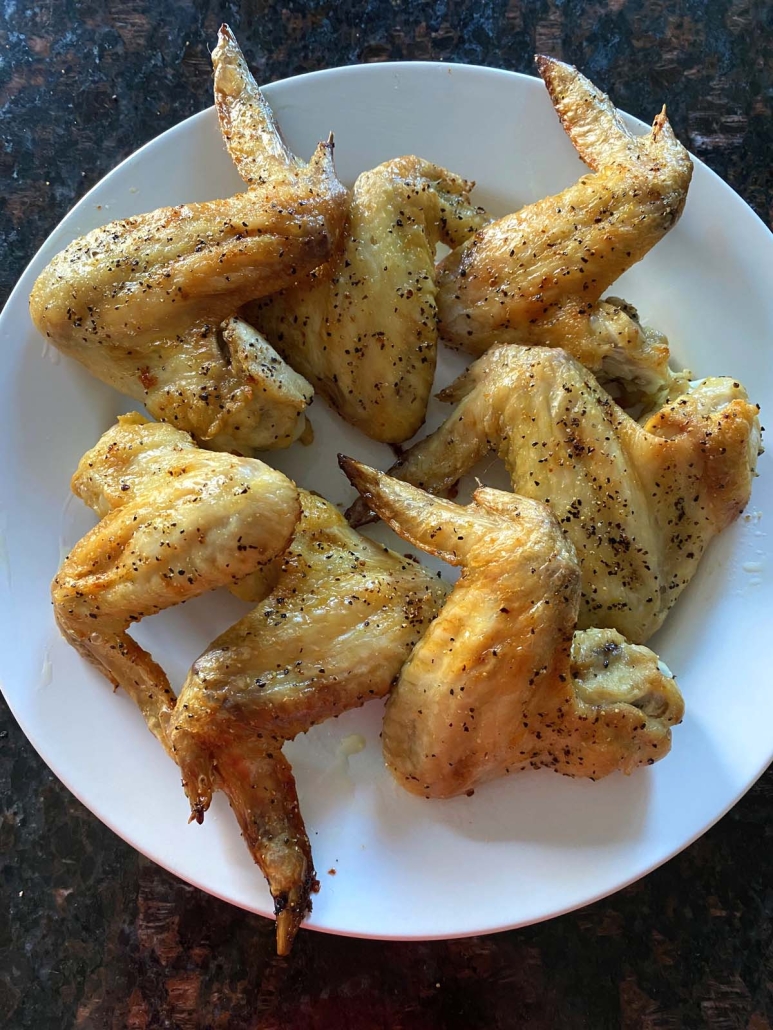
<point>275,416</point>
<point>639,502</point>
<point>341,618</point>
<point>363,329</point>
<point>536,277</point>
<point>139,302</point>
<point>501,681</point>
<point>176,522</point>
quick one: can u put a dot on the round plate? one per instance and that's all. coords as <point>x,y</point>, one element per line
<point>523,848</point>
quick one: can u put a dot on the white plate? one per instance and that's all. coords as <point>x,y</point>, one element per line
<point>524,848</point>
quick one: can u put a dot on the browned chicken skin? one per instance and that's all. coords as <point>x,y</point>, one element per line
<point>337,620</point>
<point>639,502</point>
<point>500,680</point>
<point>514,671</point>
<point>139,301</point>
<point>338,616</point>
<point>176,522</point>
<point>363,328</point>
<point>536,277</point>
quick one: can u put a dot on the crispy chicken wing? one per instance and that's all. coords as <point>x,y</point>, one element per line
<point>139,301</point>
<point>500,680</point>
<point>275,416</point>
<point>363,329</point>
<point>341,618</point>
<point>176,522</point>
<point>537,276</point>
<point>639,502</point>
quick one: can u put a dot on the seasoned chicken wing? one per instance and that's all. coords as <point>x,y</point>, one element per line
<point>139,302</point>
<point>275,416</point>
<point>500,680</point>
<point>176,522</point>
<point>363,328</point>
<point>537,276</point>
<point>639,502</point>
<point>341,618</point>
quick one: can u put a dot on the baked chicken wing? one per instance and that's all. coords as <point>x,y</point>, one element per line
<point>176,522</point>
<point>340,619</point>
<point>640,502</point>
<point>140,301</point>
<point>501,680</point>
<point>537,276</point>
<point>363,329</point>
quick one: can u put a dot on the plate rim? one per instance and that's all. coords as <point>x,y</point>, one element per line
<point>20,292</point>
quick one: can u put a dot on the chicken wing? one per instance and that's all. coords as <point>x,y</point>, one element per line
<point>139,301</point>
<point>500,680</point>
<point>537,276</point>
<point>176,522</point>
<point>639,502</point>
<point>341,618</point>
<point>363,329</point>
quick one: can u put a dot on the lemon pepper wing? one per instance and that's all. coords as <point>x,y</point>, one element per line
<point>140,301</point>
<point>501,681</point>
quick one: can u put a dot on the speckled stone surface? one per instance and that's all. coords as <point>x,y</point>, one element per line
<point>92,935</point>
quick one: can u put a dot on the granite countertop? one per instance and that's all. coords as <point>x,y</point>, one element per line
<point>94,936</point>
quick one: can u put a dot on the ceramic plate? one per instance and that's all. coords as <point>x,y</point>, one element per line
<point>521,849</point>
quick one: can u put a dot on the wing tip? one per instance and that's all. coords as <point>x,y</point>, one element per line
<point>362,477</point>
<point>553,71</point>
<point>291,908</point>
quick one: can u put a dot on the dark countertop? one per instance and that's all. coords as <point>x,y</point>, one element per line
<point>94,936</point>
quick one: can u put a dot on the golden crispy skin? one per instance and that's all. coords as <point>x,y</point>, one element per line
<point>341,618</point>
<point>500,680</point>
<point>139,301</point>
<point>639,502</point>
<point>275,416</point>
<point>363,328</point>
<point>537,276</point>
<point>176,522</point>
